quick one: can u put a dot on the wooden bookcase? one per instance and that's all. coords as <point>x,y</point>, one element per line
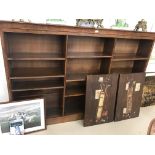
<point>52,62</point>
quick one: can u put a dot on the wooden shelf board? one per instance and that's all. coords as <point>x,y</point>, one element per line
<point>85,55</point>
<point>37,85</point>
<point>28,73</point>
<point>35,56</point>
<point>76,77</point>
<point>74,92</point>
<point>29,89</point>
<point>25,97</point>
<point>128,58</point>
<point>37,59</point>
<point>121,70</point>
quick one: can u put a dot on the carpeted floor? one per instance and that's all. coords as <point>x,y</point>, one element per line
<point>135,126</point>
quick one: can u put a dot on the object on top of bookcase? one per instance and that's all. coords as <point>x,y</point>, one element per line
<point>142,24</point>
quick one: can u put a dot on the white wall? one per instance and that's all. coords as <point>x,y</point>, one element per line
<point>3,83</point>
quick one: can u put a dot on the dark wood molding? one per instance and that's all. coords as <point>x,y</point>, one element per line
<point>72,30</point>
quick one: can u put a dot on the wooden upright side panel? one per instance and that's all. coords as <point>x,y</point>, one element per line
<point>100,99</point>
<point>129,95</point>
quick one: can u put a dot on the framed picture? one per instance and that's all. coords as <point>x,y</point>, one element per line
<point>129,95</point>
<point>31,112</point>
<point>100,99</point>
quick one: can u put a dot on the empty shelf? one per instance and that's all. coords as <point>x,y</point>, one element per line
<point>27,73</point>
<point>36,56</point>
<point>88,55</point>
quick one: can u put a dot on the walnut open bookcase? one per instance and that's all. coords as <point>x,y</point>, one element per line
<point>52,62</point>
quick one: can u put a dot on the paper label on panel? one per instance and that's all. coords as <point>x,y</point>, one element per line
<point>137,88</point>
<point>97,94</point>
<point>100,79</point>
<point>127,86</point>
<point>124,110</point>
<point>101,100</point>
<point>99,112</point>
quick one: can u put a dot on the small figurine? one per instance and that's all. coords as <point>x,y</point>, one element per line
<point>141,24</point>
<point>98,23</point>
<point>90,23</point>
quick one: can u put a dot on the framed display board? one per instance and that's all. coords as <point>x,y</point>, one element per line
<point>129,95</point>
<point>100,98</point>
<point>17,118</point>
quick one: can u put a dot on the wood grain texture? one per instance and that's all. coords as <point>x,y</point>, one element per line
<point>72,30</point>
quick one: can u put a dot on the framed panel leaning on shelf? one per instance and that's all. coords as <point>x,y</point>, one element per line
<point>129,95</point>
<point>31,112</point>
<point>100,98</point>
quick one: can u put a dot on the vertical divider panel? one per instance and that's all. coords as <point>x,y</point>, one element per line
<point>145,49</point>
<point>65,63</point>
<point>113,49</point>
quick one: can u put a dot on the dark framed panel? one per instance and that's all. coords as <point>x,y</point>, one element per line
<point>129,95</point>
<point>100,98</point>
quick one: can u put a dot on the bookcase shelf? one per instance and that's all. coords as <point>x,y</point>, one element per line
<point>75,92</point>
<point>23,85</point>
<point>35,56</point>
<point>28,73</point>
<point>52,62</point>
<point>41,88</point>
<point>76,77</point>
<point>75,89</point>
<point>125,58</point>
<point>87,55</point>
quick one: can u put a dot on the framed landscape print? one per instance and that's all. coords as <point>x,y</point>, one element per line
<point>100,99</point>
<point>22,117</point>
<point>129,95</point>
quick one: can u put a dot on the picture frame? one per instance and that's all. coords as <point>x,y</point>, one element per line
<point>100,99</point>
<point>31,111</point>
